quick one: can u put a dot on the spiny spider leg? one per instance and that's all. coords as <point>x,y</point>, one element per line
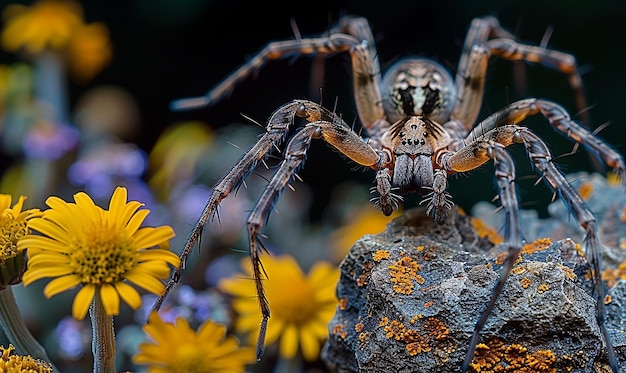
<point>275,132</point>
<point>477,152</point>
<point>505,177</point>
<point>470,80</point>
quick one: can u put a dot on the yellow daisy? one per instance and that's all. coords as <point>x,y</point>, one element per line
<point>89,50</point>
<point>179,349</point>
<point>47,23</point>
<point>11,363</point>
<point>13,222</point>
<point>301,305</point>
<point>100,250</point>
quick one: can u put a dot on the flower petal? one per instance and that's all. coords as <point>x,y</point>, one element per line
<point>148,283</point>
<point>128,294</point>
<point>289,342</point>
<point>60,284</point>
<point>82,301</point>
<point>110,299</point>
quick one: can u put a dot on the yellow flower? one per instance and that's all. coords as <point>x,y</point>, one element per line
<point>301,305</point>
<point>101,250</point>
<point>13,222</point>
<point>88,51</point>
<point>178,348</point>
<point>11,363</point>
<point>47,23</point>
<point>367,220</point>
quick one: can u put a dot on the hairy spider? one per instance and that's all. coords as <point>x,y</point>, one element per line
<point>420,124</point>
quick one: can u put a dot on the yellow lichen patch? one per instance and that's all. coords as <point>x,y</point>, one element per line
<point>417,347</point>
<point>518,270</point>
<point>403,273</point>
<point>415,343</point>
<point>343,303</point>
<point>384,321</point>
<point>436,328</point>
<point>537,245</point>
<point>340,330</point>
<point>358,327</point>
<point>485,231</point>
<point>420,248</point>
<point>585,190</point>
<point>363,337</point>
<point>495,356</point>
<point>612,276</point>
<point>525,281</point>
<point>543,288</point>
<point>381,254</point>
<point>569,273</point>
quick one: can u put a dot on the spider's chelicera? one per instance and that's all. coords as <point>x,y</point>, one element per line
<point>421,128</point>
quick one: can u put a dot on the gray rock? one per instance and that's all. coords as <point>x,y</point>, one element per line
<point>410,298</point>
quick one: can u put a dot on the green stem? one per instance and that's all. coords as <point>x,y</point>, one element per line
<point>16,330</point>
<point>103,337</point>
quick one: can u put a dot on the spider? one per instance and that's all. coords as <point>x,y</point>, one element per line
<point>421,128</point>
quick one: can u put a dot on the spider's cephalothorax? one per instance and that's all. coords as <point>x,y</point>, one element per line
<point>422,127</point>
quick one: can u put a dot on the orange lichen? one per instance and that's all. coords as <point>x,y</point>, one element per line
<point>403,273</point>
<point>608,299</point>
<point>343,303</point>
<point>420,248</point>
<point>537,245</point>
<point>495,356</point>
<point>543,288</point>
<point>365,276</point>
<point>428,304</point>
<point>485,231</point>
<point>525,282</point>
<point>585,190</point>
<point>363,337</point>
<point>340,330</point>
<point>436,328</point>
<point>381,254</point>
<point>569,273</point>
<point>518,270</point>
<point>384,321</point>
<point>612,276</point>
<point>358,327</point>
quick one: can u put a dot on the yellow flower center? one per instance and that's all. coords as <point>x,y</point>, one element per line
<point>292,300</point>
<point>12,230</point>
<point>190,359</point>
<point>11,363</point>
<point>103,256</point>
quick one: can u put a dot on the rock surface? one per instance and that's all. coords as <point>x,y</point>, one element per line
<point>409,299</point>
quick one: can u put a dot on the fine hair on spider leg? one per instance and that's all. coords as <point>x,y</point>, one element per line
<point>419,125</point>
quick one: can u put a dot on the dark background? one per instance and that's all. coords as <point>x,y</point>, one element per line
<point>165,50</point>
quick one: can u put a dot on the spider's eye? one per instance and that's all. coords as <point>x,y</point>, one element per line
<point>425,134</point>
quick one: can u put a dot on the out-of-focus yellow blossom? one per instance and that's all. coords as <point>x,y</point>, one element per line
<point>176,348</point>
<point>45,24</point>
<point>88,51</point>
<point>302,305</point>
<point>81,244</point>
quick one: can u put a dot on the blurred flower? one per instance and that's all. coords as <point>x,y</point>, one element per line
<point>13,222</point>
<point>101,168</point>
<point>11,363</point>
<point>366,220</point>
<point>83,244</point>
<point>175,155</point>
<point>88,51</point>
<point>301,305</point>
<point>73,338</point>
<point>50,141</point>
<point>47,23</point>
<point>178,348</point>
<point>58,25</point>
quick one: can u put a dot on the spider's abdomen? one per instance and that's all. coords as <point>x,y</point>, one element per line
<point>418,86</point>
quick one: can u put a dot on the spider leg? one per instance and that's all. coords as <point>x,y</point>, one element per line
<point>476,153</point>
<point>275,132</point>
<point>323,125</point>
<point>472,70</point>
<point>505,176</point>
<point>561,121</point>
